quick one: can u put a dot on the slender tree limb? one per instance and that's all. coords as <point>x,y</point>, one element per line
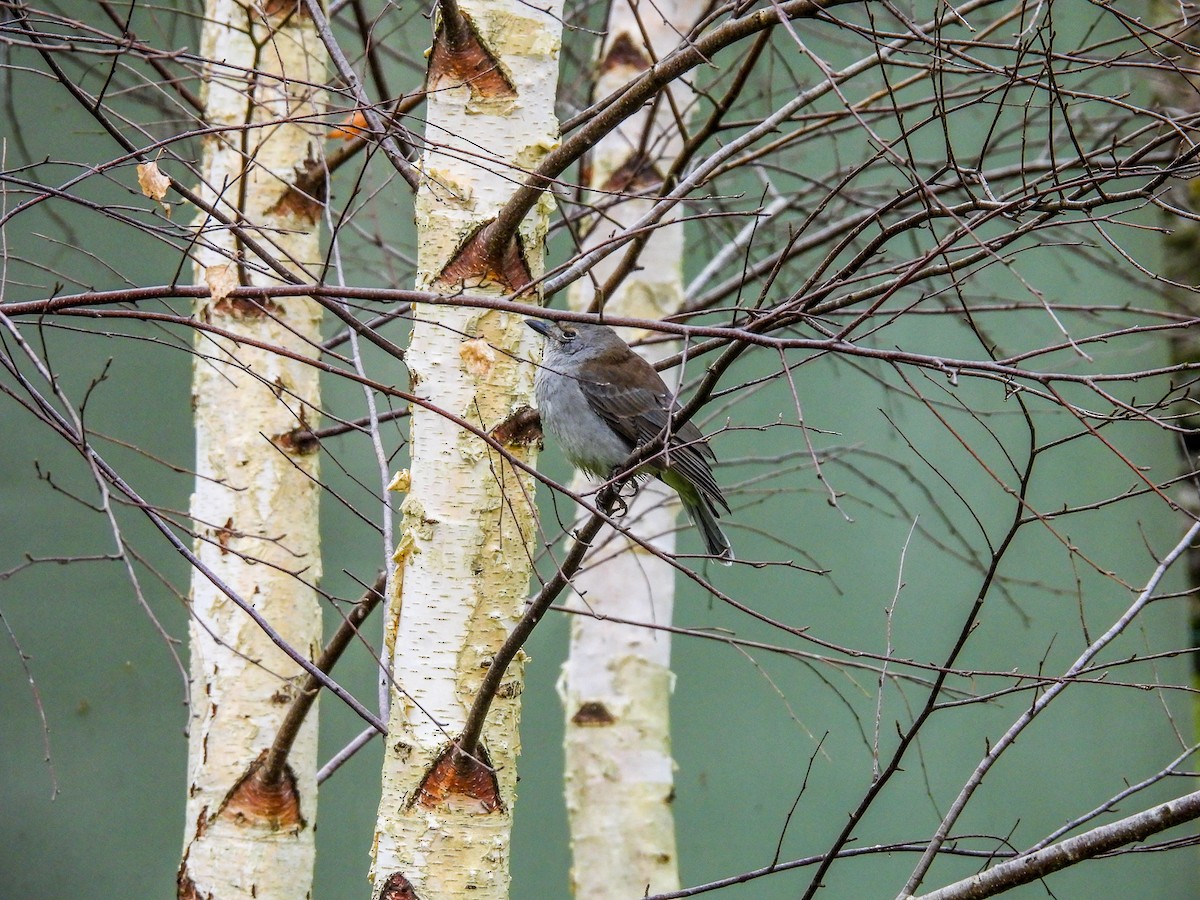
<point>387,139</point>
<point>248,240</point>
<point>302,436</point>
<point>313,181</point>
<point>1056,857</point>
<point>340,758</point>
<point>54,419</point>
<point>151,58</point>
<point>914,730</point>
<point>467,744</point>
<point>689,56</point>
<point>306,695</point>
<point>1002,369</point>
<point>1043,700</point>
<point>690,148</point>
<point>370,48</point>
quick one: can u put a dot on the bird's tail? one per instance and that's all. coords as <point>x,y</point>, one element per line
<point>704,518</point>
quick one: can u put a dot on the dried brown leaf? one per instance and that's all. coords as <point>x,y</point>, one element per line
<point>152,181</point>
<point>221,280</point>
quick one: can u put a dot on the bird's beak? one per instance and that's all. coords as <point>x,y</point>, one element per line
<point>542,328</point>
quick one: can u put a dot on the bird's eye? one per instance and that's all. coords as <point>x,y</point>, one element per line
<point>569,334</point>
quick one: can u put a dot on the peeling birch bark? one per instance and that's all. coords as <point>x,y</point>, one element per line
<point>616,683</point>
<point>256,494</point>
<point>464,556</point>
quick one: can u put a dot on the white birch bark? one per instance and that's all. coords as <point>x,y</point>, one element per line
<point>464,553</point>
<point>255,499</point>
<point>617,682</point>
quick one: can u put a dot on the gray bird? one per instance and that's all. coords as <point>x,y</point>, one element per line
<point>599,400</point>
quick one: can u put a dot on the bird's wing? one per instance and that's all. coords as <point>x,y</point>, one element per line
<point>635,413</point>
<point>640,416</point>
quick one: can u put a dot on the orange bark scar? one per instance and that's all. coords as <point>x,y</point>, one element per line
<point>472,266</point>
<point>185,888</point>
<point>522,428</point>
<point>301,440</point>
<point>225,534</point>
<point>636,175</point>
<point>297,202</point>
<point>246,307</point>
<point>254,802</point>
<point>460,783</point>
<point>286,8</point>
<point>624,52</point>
<point>592,713</point>
<point>459,57</point>
<point>397,887</point>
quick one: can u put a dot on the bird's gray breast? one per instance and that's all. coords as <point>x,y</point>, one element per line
<point>586,439</point>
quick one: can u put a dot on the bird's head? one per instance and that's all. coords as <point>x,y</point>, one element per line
<point>572,338</point>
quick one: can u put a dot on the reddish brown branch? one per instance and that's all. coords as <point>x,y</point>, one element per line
<point>274,765</point>
<point>693,53</point>
<point>467,744</point>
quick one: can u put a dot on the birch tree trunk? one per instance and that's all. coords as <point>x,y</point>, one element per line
<point>617,681</point>
<point>249,833</point>
<point>464,557</point>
